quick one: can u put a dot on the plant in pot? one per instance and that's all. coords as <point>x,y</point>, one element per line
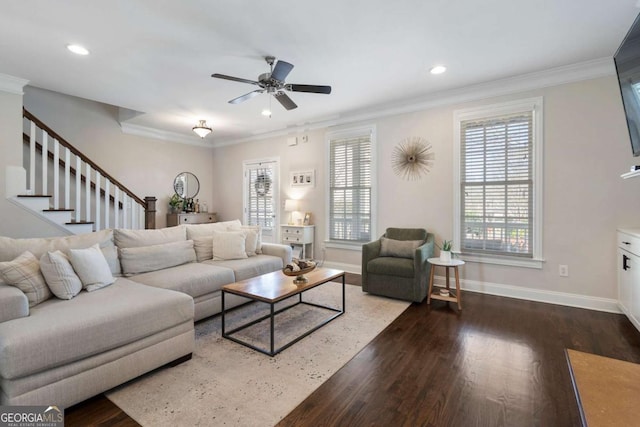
<point>445,251</point>
<point>174,203</point>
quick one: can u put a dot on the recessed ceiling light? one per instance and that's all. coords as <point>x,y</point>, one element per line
<point>438,69</point>
<point>77,49</point>
<point>266,112</point>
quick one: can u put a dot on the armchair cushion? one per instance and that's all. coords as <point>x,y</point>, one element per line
<point>389,266</point>
<point>399,248</point>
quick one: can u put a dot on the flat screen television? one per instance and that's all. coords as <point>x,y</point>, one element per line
<point>627,60</point>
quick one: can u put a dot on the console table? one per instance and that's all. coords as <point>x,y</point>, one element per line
<point>191,218</point>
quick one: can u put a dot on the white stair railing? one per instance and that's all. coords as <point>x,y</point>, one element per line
<point>85,188</point>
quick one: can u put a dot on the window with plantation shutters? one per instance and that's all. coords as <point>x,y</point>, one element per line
<point>497,211</point>
<point>260,196</point>
<point>350,192</point>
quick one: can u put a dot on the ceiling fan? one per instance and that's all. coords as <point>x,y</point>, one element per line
<point>273,82</point>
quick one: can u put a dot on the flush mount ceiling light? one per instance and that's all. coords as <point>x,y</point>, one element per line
<point>266,112</point>
<point>438,69</point>
<point>77,49</point>
<point>202,129</point>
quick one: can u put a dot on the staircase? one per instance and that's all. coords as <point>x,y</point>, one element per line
<point>70,191</point>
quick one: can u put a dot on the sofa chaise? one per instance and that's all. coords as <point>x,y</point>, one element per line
<point>63,351</point>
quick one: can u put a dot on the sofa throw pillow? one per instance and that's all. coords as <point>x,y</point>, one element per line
<point>399,248</point>
<point>24,273</point>
<point>156,257</point>
<point>229,245</point>
<point>251,242</point>
<point>250,239</point>
<point>59,275</point>
<point>203,247</point>
<point>91,267</point>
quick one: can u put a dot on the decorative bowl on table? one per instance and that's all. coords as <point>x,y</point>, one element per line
<point>299,268</point>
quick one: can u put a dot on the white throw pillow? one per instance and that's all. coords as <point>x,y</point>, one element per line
<point>59,274</point>
<point>251,242</point>
<point>258,231</point>
<point>24,273</point>
<point>229,245</point>
<point>203,247</point>
<point>92,268</point>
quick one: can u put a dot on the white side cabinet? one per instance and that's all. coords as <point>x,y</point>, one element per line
<point>299,236</point>
<point>629,274</point>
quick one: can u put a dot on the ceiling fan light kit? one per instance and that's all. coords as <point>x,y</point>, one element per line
<point>202,129</point>
<point>273,83</point>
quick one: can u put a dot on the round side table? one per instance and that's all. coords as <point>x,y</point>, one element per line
<point>450,297</point>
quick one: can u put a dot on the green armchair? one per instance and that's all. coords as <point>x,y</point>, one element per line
<point>398,269</point>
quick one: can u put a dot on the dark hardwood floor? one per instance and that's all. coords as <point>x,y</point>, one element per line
<point>500,362</point>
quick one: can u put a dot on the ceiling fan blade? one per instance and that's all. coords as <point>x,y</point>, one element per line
<point>246,96</point>
<point>281,71</point>
<point>309,88</point>
<point>233,79</point>
<point>285,100</point>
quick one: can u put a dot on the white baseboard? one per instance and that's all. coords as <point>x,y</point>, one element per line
<point>349,268</point>
<point>552,297</point>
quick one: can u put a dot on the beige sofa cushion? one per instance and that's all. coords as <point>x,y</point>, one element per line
<point>59,275</point>
<point>194,279</point>
<point>61,332</point>
<point>136,238</point>
<point>11,248</point>
<point>13,303</point>
<point>250,267</point>
<point>156,257</point>
<point>91,267</point>
<point>24,273</point>
<point>206,230</point>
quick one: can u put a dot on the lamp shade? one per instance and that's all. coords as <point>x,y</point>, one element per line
<point>290,205</point>
<point>202,129</point>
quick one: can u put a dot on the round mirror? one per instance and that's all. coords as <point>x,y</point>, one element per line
<point>186,185</point>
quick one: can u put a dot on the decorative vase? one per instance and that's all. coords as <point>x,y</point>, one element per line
<point>445,256</point>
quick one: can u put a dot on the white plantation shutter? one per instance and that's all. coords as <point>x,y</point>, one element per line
<point>496,185</point>
<point>350,189</point>
<point>260,205</point>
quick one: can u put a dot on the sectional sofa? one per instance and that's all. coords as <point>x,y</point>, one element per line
<point>63,351</point>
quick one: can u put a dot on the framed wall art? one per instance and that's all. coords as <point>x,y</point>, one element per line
<point>306,178</point>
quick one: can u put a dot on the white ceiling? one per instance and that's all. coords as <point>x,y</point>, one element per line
<point>156,56</point>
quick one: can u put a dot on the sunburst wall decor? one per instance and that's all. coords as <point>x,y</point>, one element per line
<point>412,158</point>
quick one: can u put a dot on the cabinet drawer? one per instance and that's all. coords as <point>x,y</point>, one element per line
<point>292,231</point>
<point>292,238</point>
<point>629,243</point>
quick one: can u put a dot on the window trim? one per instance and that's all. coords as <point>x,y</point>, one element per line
<point>535,105</point>
<point>350,132</point>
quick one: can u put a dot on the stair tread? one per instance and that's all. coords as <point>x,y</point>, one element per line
<point>78,222</point>
<point>34,195</point>
<point>58,210</point>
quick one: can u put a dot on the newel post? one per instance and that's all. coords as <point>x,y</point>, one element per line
<point>150,212</point>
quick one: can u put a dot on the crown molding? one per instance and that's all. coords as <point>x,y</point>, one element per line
<point>586,70</point>
<point>164,135</point>
<point>12,84</point>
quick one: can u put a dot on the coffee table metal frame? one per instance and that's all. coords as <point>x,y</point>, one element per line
<point>272,351</point>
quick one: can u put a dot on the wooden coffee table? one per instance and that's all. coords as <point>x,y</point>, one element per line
<point>272,288</point>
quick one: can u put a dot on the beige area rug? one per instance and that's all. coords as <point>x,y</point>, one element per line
<point>227,384</point>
